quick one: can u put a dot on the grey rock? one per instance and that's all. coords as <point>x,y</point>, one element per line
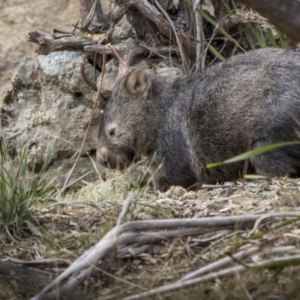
<point>50,101</point>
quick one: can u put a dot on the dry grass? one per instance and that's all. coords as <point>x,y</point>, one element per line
<point>74,223</point>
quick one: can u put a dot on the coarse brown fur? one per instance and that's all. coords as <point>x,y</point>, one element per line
<point>251,99</point>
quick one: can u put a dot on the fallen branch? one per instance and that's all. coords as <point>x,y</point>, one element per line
<point>42,262</point>
<point>126,50</point>
<point>50,43</point>
<point>126,233</point>
<point>271,263</point>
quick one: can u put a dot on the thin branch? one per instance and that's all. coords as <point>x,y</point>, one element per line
<point>85,8</point>
<point>123,65</point>
<point>178,40</point>
<point>69,41</point>
<point>271,263</point>
<point>96,103</point>
<point>124,52</point>
<point>150,12</point>
<point>50,43</point>
<point>224,262</point>
<point>42,262</point>
<point>95,9</point>
<point>125,208</point>
<point>199,41</point>
<point>83,75</point>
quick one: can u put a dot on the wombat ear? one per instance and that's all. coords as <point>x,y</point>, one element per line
<point>137,82</point>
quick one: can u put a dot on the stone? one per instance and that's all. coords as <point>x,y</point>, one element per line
<point>50,102</point>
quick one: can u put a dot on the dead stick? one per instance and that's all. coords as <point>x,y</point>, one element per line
<point>271,263</point>
<point>89,125</point>
<point>178,40</point>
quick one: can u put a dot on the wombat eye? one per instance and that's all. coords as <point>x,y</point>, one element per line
<point>111,132</point>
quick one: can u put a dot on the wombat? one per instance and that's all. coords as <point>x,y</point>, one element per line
<point>182,123</point>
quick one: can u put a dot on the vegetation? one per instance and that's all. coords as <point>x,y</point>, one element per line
<point>63,226</point>
<point>20,189</point>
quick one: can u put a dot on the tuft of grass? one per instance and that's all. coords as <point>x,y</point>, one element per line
<point>258,37</point>
<point>21,189</point>
<point>251,34</point>
<point>140,189</point>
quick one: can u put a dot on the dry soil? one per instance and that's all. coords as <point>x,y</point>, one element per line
<point>17,18</point>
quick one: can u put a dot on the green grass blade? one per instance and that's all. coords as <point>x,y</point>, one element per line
<point>252,153</point>
<point>258,34</point>
<point>271,37</point>
<point>249,37</point>
<point>216,25</point>
<point>214,51</point>
<point>226,34</point>
<point>283,40</point>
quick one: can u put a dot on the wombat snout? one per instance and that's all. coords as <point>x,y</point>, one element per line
<point>109,160</point>
<point>105,159</point>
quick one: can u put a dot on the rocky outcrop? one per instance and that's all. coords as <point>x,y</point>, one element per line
<point>51,102</point>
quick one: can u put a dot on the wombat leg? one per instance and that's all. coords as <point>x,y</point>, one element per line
<point>283,161</point>
<point>161,184</point>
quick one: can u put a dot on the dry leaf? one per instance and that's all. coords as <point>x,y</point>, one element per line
<point>207,6</point>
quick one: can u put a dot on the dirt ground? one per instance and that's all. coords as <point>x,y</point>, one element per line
<point>17,18</point>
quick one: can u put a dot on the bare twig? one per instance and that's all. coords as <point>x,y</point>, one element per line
<point>150,12</point>
<point>124,208</point>
<point>86,80</point>
<point>224,262</point>
<point>50,43</point>
<point>42,262</point>
<point>96,103</point>
<point>271,263</point>
<point>122,64</point>
<point>178,39</point>
<point>124,52</point>
<point>95,9</point>
<point>85,8</point>
<point>199,42</point>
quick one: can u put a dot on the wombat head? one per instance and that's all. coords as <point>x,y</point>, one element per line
<point>123,128</point>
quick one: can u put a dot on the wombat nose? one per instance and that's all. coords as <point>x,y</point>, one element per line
<point>102,154</point>
<point>101,160</point>
<point>105,158</point>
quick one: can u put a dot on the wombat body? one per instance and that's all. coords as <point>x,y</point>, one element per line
<point>249,101</point>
